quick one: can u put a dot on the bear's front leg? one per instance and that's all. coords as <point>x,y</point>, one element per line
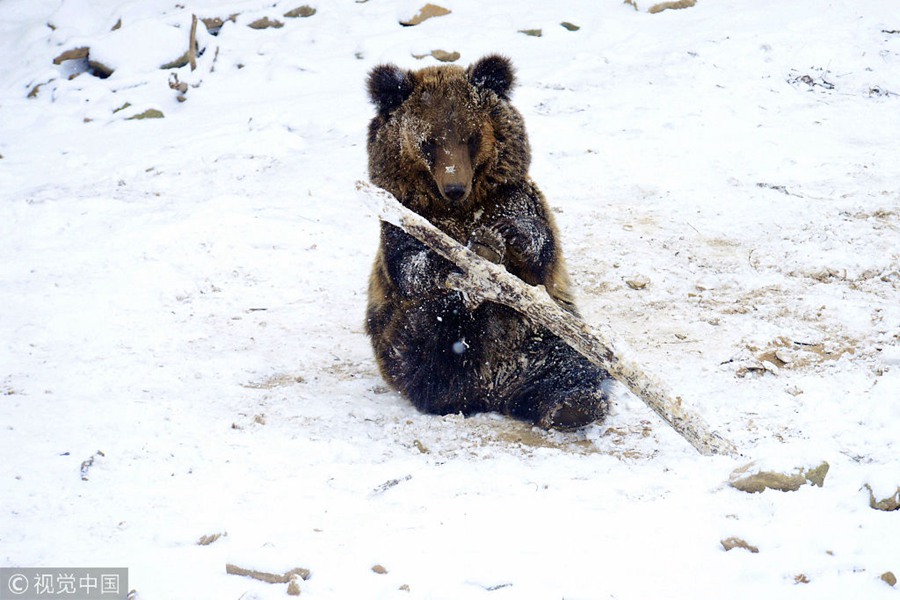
<point>416,270</point>
<point>488,244</point>
<point>530,252</point>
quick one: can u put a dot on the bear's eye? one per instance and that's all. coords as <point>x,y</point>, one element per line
<point>429,150</point>
<point>474,145</point>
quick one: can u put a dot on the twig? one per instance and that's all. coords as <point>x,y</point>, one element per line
<point>86,465</point>
<point>192,48</point>
<point>484,281</point>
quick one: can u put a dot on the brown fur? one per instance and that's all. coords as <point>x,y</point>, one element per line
<point>449,145</point>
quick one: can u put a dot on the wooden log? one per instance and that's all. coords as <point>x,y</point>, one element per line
<point>483,281</point>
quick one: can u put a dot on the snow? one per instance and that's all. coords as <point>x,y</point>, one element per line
<point>186,295</point>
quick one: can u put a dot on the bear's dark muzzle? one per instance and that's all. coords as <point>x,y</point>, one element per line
<point>454,192</point>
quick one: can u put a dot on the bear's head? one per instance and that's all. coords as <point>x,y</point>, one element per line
<point>445,136</point>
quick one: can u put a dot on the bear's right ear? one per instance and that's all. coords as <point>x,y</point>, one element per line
<point>495,73</point>
<point>388,87</point>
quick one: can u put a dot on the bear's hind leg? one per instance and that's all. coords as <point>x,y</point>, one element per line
<point>561,389</point>
<point>434,358</point>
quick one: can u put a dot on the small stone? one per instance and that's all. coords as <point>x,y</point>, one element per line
<point>404,587</point>
<point>751,480</point>
<point>301,11</point>
<point>214,24</point>
<point>441,55</point>
<point>266,23</point>
<point>532,32</point>
<point>770,367</point>
<point>889,578</point>
<point>426,12</point>
<point>150,113</point>
<point>206,540</point>
<point>816,475</point>
<point>444,56</point>
<point>570,26</point>
<point>801,578</point>
<point>637,282</point>
<point>300,572</point>
<point>293,588</point>
<point>379,569</point>
<point>733,542</point>
<point>73,54</point>
<point>784,356</point>
<point>657,8</point>
<point>888,503</point>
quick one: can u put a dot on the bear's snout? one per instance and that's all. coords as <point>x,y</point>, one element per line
<point>455,192</point>
<point>453,171</point>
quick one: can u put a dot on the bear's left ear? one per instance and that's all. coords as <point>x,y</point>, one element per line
<point>388,87</point>
<point>493,73</point>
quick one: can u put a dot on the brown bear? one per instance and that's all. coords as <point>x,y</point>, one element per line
<point>449,145</point>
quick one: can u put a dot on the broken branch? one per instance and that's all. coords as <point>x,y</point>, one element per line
<point>483,281</point>
<point>192,41</point>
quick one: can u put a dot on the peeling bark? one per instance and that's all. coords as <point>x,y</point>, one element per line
<point>483,281</point>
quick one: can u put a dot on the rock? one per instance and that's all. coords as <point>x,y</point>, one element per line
<point>532,32</point>
<point>95,67</point>
<point>444,56</point>
<point>889,503</point>
<point>441,55</point>
<point>73,54</point>
<point>656,8</point>
<point>751,479</point>
<point>206,540</point>
<point>770,367</point>
<point>379,569</point>
<point>293,588</point>
<point>214,24</point>
<point>784,356</point>
<point>637,282</point>
<point>150,113</point>
<point>99,69</point>
<point>570,26</point>
<point>301,11</point>
<point>179,62</point>
<point>889,578</point>
<point>426,12</point>
<point>733,542</point>
<point>266,23</point>
<point>816,475</point>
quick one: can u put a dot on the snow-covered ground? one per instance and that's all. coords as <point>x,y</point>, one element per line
<point>186,295</point>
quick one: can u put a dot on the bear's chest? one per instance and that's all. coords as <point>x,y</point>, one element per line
<point>461,227</point>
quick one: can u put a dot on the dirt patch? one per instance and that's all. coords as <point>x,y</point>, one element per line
<point>275,381</point>
<point>792,354</point>
<point>484,433</point>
